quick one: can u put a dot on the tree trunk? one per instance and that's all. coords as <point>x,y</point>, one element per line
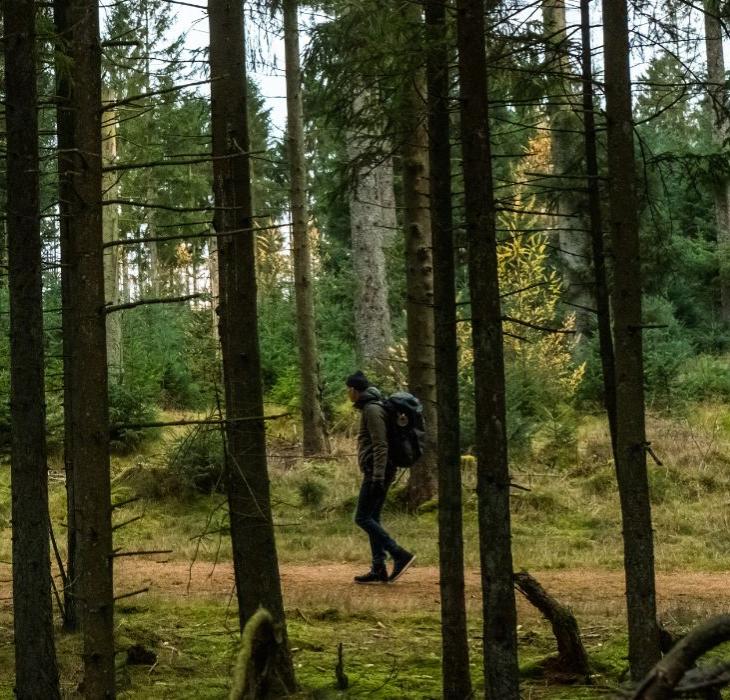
<point>419,270</point>
<point>605,339</point>
<point>214,288</point>
<point>84,265</point>
<point>493,482</point>
<point>313,427</point>
<point>110,214</point>
<point>630,454</point>
<point>572,241</point>
<point>36,672</point>
<point>718,99</point>
<point>370,223</point>
<point>64,120</point>
<point>454,641</point>
<point>154,270</point>
<point>255,561</point>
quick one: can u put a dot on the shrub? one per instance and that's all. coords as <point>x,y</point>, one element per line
<point>198,460</point>
<point>705,377</point>
<point>665,350</point>
<point>127,404</point>
<point>312,492</point>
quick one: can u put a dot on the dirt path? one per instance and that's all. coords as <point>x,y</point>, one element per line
<point>593,594</point>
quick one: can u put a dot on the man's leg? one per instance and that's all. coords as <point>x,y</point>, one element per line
<point>369,506</point>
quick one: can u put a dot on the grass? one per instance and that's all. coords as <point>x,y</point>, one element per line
<point>568,519</point>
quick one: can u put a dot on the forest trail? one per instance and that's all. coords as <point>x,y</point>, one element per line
<point>592,594</point>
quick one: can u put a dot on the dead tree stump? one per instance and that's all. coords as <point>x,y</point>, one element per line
<point>572,658</point>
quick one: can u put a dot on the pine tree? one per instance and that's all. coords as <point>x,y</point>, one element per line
<point>493,483</point>
<point>630,456</point>
<point>36,671</point>
<point>255,561</point>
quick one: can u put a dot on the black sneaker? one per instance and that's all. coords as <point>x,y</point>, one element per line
<point>401,562</point>
<point>373,576</point>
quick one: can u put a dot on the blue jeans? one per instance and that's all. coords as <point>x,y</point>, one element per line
<point>367,516</point>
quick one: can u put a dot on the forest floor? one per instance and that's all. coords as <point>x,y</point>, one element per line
<point>566,530</point>
<point>590,593</point>
<point>390,633</point>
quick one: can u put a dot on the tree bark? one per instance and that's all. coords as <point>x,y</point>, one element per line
<point>372,222</point>
<point>64,129</point>
<point>493,482</point>
<point>36,671</point>
<point>718,99</point>
<point>454,640</point>
<point>313,426</point>
<point>89,409</point>
<point>603,308</point>
<point>419,269</point>
<point>110,214</point>
<point>573,249</point>
<point>255,561</point>
<point>630,454</point>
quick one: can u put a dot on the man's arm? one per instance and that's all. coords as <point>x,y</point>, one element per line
<point>375,424</point>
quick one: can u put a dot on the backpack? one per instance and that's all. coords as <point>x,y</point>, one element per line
<point>406,429</point>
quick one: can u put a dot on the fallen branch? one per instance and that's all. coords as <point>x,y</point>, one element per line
<point>140,552</point>
<point>664,679</point>
<point>204,421</point>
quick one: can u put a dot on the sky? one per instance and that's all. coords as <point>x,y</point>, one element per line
<point>267,47</point>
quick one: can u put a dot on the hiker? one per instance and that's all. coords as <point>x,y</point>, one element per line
<point>378,473</point>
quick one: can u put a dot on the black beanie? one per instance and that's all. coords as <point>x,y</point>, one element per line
<point>358,381</point>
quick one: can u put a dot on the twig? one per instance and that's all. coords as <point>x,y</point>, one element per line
<point>132,593</point>
<point>140,552</point>
<point>127,522</point>
<point>538,327</point>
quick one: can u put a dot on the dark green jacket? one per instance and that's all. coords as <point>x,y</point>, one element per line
<point>372,438</point>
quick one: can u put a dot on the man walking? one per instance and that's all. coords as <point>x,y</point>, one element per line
<point>378,474</point>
